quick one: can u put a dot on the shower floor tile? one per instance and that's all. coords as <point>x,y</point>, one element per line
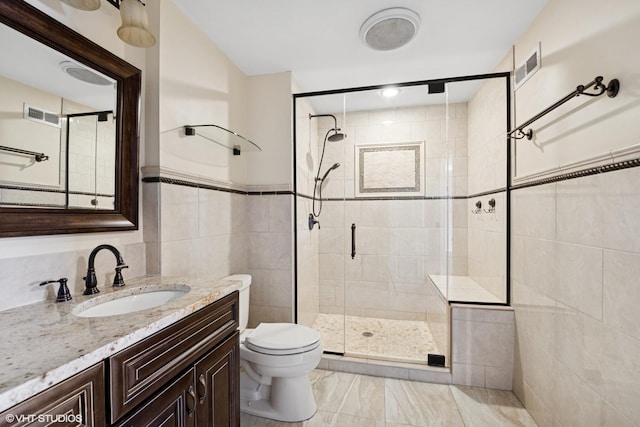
<point>373,338</point>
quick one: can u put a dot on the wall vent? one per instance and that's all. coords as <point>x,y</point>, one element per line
<point>41,116</point>
<point>528,68</point>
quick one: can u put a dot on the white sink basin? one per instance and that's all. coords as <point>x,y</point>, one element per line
<point>111,305</point>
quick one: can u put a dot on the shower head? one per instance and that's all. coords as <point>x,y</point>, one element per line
<point>337,135</point>
<point>334,166</point>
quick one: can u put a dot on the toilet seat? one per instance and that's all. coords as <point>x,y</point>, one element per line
<point>282,339</point>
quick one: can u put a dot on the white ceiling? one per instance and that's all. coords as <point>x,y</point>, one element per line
<point>319,40</point>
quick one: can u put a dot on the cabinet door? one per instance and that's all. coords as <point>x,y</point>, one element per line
<point>218,385</point>
<point>174,406</point>
<point>77,401</point>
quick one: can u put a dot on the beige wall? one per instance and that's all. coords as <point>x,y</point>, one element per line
<point>575,243</point>
<point>17,132</point>
<point>602,44</point>
<point>199,231</point>
<point>198,84</point>
<point>271,127</point>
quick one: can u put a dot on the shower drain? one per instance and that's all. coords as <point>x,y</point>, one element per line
<point>367,334</point>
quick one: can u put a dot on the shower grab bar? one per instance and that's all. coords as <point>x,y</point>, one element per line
<point>40,157</point>
<point>611,90</point>
<point>353,241</point>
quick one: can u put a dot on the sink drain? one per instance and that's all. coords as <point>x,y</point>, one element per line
<point>367,334</point>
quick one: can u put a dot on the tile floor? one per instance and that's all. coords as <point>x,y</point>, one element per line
<point>395,340</point>
<point>351,400</point>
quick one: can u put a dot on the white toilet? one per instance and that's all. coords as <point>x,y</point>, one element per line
<point>275,361</point>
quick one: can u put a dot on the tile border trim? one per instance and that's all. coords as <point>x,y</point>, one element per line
<point>192,184</point>
<point>612,167</point>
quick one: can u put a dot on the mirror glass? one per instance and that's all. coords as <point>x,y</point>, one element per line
<point>68,128</point>
<point>57,128</point>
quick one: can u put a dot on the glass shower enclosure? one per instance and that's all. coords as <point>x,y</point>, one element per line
<point>382,215</point>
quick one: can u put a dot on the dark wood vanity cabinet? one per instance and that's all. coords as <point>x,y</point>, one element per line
<point>77,401</point>
<point>184,375</point>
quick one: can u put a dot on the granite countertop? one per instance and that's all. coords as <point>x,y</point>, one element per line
<point>42,344</point>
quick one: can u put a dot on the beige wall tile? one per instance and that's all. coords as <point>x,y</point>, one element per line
<point>621,291</point>
<point>178,212</point>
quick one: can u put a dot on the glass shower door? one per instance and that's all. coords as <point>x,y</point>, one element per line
<point>91,154</point>
<point>320,240</point>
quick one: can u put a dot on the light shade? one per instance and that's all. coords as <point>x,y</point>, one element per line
<point>135,24</point>
<point>83,4</point>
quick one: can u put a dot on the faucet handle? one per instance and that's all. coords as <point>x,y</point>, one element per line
<point>63,290</point>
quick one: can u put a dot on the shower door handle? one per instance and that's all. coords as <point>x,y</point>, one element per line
<point>353,241</point>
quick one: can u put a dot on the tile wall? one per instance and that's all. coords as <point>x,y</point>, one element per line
<point>21,276</point>
<point>308,285</point>
<point>206,225</point>
<point>487,168</point>
<point>575,257</point>
<point>223,233</point>
<point>397,244</point>
<point>307,268</point>
<point>487,253</point>
<point>270,257</point>
<point>482,346</point>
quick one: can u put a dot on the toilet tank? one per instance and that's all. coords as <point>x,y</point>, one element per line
<point>244,298</point>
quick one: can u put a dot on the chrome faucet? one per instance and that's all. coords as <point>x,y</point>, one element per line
<point>91,282</point>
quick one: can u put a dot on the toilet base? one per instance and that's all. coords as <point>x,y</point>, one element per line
<point>287,399</point>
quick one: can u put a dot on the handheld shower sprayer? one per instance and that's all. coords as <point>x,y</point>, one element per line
<point>335,166</point>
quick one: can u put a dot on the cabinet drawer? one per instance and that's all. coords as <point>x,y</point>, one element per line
<point>81,395</point>
<point>140,370</point>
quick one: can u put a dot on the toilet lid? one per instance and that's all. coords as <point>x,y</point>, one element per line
<point>282,338</point>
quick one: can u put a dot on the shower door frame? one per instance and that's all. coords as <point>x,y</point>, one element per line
<point>507,77</point>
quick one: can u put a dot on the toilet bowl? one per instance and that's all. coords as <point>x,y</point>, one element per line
<point>275,361</point>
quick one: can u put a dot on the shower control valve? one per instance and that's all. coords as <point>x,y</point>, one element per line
<point>313,222</point>
<point>492,206</point>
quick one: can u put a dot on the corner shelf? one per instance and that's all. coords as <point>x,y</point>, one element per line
<point>223,137</point>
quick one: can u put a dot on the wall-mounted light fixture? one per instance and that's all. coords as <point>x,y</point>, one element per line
<point>135,22</point>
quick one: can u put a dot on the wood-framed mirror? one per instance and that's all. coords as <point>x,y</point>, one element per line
<point>119,209</point>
